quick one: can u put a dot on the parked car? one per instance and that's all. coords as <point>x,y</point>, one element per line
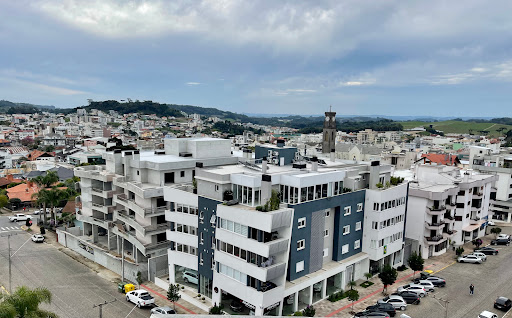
<point>427,285</point>
<point>140,297</point>
<point>469,259</point>
<point>396,301</point>
<point>491,223</point>
<point>38,238</point>
<point>418,289</point>
<point>501,241</point>
<point>409,297</point>
<point>503,236</point>
<point>162,311</point>
<point>387,308</point>
<point>190,277</point>
<point>374,314</point>
<point>480,254</point>
<point>19,217</point>
<point>236,305</point>
<point>435,280</point>
<point>503,303</point>
<point>487,250</point>
<point>487,314</point>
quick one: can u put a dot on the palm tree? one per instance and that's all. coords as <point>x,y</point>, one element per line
<point>42,200</point>
<point>56,196</point>
<point>24,302</point>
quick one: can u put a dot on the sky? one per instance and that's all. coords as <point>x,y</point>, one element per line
<point>411,58</point>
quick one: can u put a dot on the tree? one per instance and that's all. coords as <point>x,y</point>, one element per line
<point>139,278</point>
<point>477,242</point>
<point>352,284</point>
<point>173,294</point>
<point>368,276</point>
<point>24,302</point>
<point>415,262</point>
<point>388,276</point>
<point>42,200</point>
<point>54,197</point>
<point>4,200</point>
<point>49,148</point>
<point>496,231</point>
<point>309,311</point>
<point>459,251</point>
<point>15,202</point>
<point>352,295</point>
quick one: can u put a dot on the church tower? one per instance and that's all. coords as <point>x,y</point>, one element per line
<point>329,141</point>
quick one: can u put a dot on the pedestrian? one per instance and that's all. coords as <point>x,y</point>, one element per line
<point>471,289</point>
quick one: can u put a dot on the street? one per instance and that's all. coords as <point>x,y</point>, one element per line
<point>491,280</point>
<point>75,288</point>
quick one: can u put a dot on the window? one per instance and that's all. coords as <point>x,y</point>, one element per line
<point>347,210</point>
<point>375,225</point>
<point>182,174</point>
<point>138,172</point>
<point>359,207</point>
<point>325,252</point>
<point>346,229</point>
<point>327,213</point>
<point>301,223</point>
<point>301,244</point>
<point>201,257</point>
<point>357,244</point>
<point>217,189</point>
<point>358,226</point>
<point>326,233</point>
<point>201,237</point>
<point>299,267</point>
<point>344,249</point>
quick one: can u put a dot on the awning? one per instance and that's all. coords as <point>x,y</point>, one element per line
<point>471,228</point>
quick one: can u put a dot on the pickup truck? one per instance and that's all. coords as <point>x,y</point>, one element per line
<point>19,217</point>
<point>140,297</point>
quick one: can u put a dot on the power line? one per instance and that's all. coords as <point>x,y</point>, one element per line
<point>103,304</point>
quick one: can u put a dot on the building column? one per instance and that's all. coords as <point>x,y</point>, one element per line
<point>258,311</point>
<point>508,217</point>
<point>324,288</point>
<point>310,296</point>
<point>118,247</point>
<point>94,233</point>
<point>280,308</point>
<point>296,302</point>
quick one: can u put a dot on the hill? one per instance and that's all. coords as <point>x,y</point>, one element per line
<point>493,127</point>
<point>22,108</point>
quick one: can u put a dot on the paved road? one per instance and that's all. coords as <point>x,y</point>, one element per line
<point>75,287</point>
<point>491,279</point>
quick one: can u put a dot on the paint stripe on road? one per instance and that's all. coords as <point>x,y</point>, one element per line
<point>445,267</point>
<point>158,294</point>
<point>4,290</point>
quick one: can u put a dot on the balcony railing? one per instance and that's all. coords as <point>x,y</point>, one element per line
<point>122,197</point>
<point>434,238</point>
<point>160,209</point>
<point>437,208</point>
<point>154,228</point>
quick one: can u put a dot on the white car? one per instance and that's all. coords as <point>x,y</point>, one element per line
<point>161,311</point>
<point>38,238</point>
<point>480,254</point>
<point>470,259</point>
<point>503,236</point>
<point>414,288</point>
<point>140,297</point>
<point>19,217</point>
<point>491,223</point>
<point>190,277</point>
<point>397,301</point>
<point>487,314</point>
<point>427,285</point>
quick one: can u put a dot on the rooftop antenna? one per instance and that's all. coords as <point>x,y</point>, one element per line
<point>330,108</point>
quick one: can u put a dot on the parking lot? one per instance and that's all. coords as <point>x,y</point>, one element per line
<point>491,280</point>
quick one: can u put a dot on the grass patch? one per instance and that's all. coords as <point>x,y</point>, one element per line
<point>459,127</point>
<point>366,284</point>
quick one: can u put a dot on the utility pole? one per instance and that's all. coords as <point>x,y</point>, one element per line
<point>101,306</point>
<point>9,251</point>
<point>446,302</point>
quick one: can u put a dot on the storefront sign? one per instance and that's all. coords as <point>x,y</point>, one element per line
<point>269,308</point>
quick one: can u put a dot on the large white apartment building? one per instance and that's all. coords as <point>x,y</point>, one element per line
<point>485,160</point>
<point>277,262</point>
<point>446,207</point>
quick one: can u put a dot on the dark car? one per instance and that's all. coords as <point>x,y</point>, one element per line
<point>487,250</point>
<point>368,313</point>
<point>236,305</point>
<point>436,281</point>
<point>387,308</point>
<point>502,241</point>
<point>503,303</point>
<point>409,297</point>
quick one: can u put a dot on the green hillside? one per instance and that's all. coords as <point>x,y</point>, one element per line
<point>460,127</point>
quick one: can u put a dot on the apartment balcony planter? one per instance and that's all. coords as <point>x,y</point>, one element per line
<point>441,210</point>
<point>434,226</point>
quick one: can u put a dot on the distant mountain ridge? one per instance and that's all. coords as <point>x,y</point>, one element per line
<point>11,107</point>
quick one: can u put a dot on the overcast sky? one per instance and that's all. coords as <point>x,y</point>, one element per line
<point>440,58</point>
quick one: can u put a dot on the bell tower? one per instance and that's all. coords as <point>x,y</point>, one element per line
<point>329,138</point>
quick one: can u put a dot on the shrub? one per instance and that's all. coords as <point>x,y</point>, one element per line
<point>459,251</point>
<point>401,268</point>
<point>366,284</point>
<point>309,311</point>
<point>346,190</point>
<point>336,296</point>
<point>379,185</point>
<point>216,310</point>
<point>297,313</point>
<point>259,208</point>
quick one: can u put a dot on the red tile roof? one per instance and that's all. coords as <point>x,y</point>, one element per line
<point>38,153</point>
<point>442,159</point>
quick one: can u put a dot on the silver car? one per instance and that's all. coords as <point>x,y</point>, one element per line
<point>469,259</point>
<point>397,301</point>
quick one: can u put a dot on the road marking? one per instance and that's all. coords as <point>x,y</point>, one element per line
<point>5,290</point>
<point>445,267</point>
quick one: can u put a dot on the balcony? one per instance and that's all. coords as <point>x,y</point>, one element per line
<point>265,221</point>
<point>92,220</point>
<point>478,195</point>
<point>103,208</point>
<point>155,229</point>
<point>264,249</point>
<point>449,218</point>
<point>130,220</point>
<point>93,172</point>
<point>449,234</point>
<point>263,274</point>
<point>434,240</point>
<point>475,220</point>
<point>143,190</point>
<point>107,194</point>
<point>440,210</point>
<point>434,226</point>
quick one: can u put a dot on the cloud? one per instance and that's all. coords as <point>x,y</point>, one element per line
<point>192,83</point>
<point>44,88</point>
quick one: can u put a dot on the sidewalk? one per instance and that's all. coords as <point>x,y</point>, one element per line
<point>369,296</point>
<point>182,306</point>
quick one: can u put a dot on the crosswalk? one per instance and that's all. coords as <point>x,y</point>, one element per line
<point>9,228</point>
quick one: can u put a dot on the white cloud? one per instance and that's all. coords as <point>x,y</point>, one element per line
<point>30,87</point>
<point>193,83</point>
